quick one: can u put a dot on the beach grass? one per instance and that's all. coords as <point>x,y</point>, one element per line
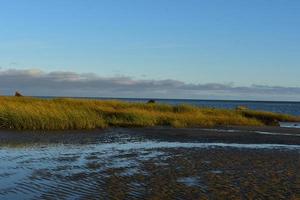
<point>27,113</point>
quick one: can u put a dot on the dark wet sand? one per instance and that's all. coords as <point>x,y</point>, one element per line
<point>150,163</point>
<point>244,135</point>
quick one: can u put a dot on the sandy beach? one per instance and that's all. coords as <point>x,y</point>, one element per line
<point>151,163</point>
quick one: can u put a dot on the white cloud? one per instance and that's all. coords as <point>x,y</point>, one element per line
<point>59,83</point>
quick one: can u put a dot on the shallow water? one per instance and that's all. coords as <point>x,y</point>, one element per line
<point>129,166</point>
<point>290,124</point>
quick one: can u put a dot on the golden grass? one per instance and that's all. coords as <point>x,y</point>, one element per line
<point>25,113</point>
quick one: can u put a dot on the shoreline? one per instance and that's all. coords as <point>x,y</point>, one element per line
<point>212,163</point>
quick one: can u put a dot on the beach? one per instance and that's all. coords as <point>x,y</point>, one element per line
<point>151,163</point>
<point>149,100</point>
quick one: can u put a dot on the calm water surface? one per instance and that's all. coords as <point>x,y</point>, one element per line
<point>121,165</point>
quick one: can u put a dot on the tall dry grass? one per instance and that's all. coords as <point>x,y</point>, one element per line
<point>25,113</point>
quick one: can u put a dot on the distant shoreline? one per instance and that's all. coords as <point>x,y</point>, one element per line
<point>163,99</point>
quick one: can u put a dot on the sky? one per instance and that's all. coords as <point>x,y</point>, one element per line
<point>216,49</point>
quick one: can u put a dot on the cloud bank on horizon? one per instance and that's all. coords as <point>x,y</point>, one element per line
<point>34,82</point>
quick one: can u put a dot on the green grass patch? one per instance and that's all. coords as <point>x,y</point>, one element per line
<point>25,113</point>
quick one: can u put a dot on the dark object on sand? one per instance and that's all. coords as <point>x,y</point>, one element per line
<point>18,94</point>
<point>151,101</point>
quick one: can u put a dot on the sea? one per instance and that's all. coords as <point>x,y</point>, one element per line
<point>284,107</point>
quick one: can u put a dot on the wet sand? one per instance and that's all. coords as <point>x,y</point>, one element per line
<point>151,163</point>
<point>243,135</point>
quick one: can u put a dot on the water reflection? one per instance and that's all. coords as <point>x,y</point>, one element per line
<point>290,124</point>
<point>120,166</point>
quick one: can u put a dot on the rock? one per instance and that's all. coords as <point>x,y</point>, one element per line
<point>151,101</point>
<point>18,94</point>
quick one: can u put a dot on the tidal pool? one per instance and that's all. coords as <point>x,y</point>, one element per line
<point>122,165</point>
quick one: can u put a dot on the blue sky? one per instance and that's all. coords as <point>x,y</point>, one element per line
<point>192,41</point>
